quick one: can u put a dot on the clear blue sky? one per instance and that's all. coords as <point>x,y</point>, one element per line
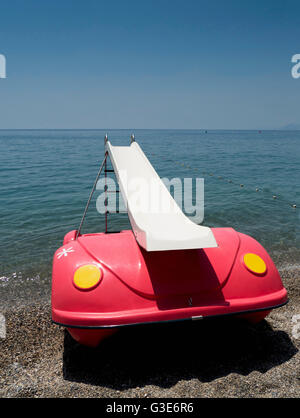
<point>149,64</point>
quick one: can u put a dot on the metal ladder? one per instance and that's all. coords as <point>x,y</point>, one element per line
<point>106,191</point>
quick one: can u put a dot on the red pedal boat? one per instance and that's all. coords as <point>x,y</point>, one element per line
<point>165,269</point>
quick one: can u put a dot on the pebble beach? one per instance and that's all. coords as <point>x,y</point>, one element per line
<point>212,358</point>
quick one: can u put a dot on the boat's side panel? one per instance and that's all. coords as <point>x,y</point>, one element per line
<point>91,337</point>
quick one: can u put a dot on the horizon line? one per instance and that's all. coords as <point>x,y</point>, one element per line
<point>145,129</point>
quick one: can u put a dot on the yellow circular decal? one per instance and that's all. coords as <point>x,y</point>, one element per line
<point>255,263</point>
<point>87,277</point>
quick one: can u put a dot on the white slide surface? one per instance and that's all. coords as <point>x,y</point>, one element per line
<point>154,229</point>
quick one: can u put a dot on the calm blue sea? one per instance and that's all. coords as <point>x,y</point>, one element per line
<point>46,177</point>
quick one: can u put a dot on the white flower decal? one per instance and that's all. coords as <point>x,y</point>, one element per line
<point>65,252</point>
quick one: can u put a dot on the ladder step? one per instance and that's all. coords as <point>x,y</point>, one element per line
<point>110,191</point>
<point>109,211</point>
<point>109,171</point>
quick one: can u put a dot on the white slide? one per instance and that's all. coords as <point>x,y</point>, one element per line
<point>155,229</point>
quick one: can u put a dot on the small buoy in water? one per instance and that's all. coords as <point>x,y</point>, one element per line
<point>294,206</point>
<point>274,197</point>
<point>241,185</point>
<point>257,189</point>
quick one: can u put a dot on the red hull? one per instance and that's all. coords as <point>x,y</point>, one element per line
<point>141,287</point>
<point>93,337</point>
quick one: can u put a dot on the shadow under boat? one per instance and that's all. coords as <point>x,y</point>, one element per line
<point>164,354</point>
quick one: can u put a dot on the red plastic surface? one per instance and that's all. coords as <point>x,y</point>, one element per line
<point>140,286</point>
